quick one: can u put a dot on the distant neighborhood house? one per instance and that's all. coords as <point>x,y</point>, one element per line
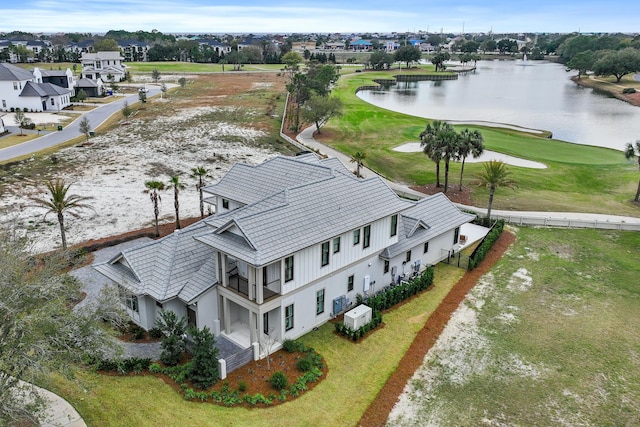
<point>103,66</point>
<point>30,91</point>
<point>292,243</point>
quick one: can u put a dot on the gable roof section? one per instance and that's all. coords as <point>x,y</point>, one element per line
<point>106,55</point>
<point>9,72</point>
<point>302,216</point>
<point>428,218</point>
<point>42,90</point>
<point>174,266</point>
<point>248,184</point>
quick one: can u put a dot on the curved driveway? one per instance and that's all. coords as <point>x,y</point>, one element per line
<point>96,117</point>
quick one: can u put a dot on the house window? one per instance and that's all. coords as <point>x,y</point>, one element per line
<point>426,247</point>
<point>336,245</point>
<point>320,302</point>
<point>53,102</point>
<point>350,283</point>
<point>386,267</point>
<point>265,323</point>
<point>325,254</point>
<point>4,103</point>
<point>225,203</point>
<point>394,225</point>
<point>15,85</point>
<point>408,258</point>
<point>132,302</point>
<point>356,237</point>
<point>366,240</point>
<point>288,317</point>
<point>288,268</point>
<point>456,234</point>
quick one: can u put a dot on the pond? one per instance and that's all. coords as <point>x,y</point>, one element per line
<point>530,94</point>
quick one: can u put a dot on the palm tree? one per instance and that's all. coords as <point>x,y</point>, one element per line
<point>470,143</point>
<point>174,182</point>
<point>200,173</point>
<point>59,202</point>
<point>358,157</point>
<point>154,187</point>
<point>494,175</point>
<point>449,143</point>
<point>431,140</point>
<point>630,152</point>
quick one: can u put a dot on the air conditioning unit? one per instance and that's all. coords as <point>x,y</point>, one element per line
<point>393,271</point>
<point>416,266</point>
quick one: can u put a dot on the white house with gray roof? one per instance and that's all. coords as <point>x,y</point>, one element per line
<point>101,65</point>
<point>24,89</point>
<point>292,243</point>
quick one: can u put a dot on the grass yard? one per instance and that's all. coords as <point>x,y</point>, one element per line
<point>193,67</point>
<point>579,178</point>
<point>550,337</point>
<point>15,139</point>
<point>355,374</point>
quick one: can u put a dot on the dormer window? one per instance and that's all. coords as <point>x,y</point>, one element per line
<point>225,203</point>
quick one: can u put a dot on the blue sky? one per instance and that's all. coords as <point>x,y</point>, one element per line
<point>284,16</point>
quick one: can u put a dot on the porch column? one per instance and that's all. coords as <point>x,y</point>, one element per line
<point>223,269</point>
<point>260,324</point>
<point>226,315</point>
<point>253,335</point>
<point>251,282</point>
<point>259,287</point>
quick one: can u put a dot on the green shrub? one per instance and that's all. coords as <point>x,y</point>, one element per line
<point>189,394</point>
<point>154,368</point>
<point>155,333</point>
<point>289,345</point>
<point>204,365</point>
<point>279,381</point>
<point>628,90</point>
<point>242,386</point>
<point>304,364</point>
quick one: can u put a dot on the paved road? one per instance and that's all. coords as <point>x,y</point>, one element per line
<point>96,117</point>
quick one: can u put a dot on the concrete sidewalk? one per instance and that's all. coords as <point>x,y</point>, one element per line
<point>59,412</point>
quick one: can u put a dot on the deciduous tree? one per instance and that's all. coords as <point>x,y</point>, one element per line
<point>319,109</point>
<point>39,331</point>
<point>408,54</point>
<point>85,127</point>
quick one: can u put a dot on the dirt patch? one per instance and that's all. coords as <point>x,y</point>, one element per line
<point>453,193</point>
<point>378,411</point>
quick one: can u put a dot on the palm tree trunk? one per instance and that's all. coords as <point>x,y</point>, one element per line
<point>62,234</point>
<point>637,199</point>
<point>201,200</point>
<point>462,172</point>
<point>492,190</point>
<point>176,204</point>
<point>156,212</point>
<point>358,169</point>
<point>438,174</point>
<point>446,175</point>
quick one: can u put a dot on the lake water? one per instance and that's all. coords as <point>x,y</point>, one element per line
<point>531,94</point>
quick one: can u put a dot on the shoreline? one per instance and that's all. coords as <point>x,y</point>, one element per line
<point>634,99</point>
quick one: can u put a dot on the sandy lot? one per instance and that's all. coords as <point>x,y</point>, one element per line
<point>116,165</point>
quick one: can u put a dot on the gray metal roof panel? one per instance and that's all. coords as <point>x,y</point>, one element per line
<point>304,216</point>
<point>9,72</point>
<point>437,213</point>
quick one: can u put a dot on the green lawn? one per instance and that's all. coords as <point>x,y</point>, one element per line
<point>356,374</point>
<point>553,339</point>
<point>578,177</point>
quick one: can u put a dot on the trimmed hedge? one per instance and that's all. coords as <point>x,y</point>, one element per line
<point>389,297</point>
<point>483,249</point>
<point>356,334</point>
<point>123,366</point>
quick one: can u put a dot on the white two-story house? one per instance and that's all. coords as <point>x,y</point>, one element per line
<point>101,65</point>
<point>292,243</point>
<point>22,89</point>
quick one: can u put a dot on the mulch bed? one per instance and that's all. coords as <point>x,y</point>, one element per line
<point>453,192</point>
<point>379,409</point>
